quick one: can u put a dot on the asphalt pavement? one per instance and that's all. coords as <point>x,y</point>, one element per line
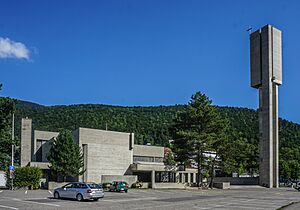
<point>244,197</point>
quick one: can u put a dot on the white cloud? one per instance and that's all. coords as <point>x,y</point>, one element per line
<point>12,49</point>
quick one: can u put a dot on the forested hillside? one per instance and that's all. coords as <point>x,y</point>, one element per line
<point>150,124</point>
<point>153,125</point>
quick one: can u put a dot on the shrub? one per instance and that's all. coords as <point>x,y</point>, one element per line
<point>137,184</point>
<point>27,177</point>
<point>106,185</point>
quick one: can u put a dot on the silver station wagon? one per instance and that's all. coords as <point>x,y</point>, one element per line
<point>80,191</point>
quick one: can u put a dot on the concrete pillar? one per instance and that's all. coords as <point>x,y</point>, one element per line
<point>84,177</point>
<point>177,177</point>
<point>194,178</point>
<point>182,178</point>
<point>266,75</point>
<point>189,178</point>
<point>26,141</point>
<point>153,179</point>
<point>276,138</point>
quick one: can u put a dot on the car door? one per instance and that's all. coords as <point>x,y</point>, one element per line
<point>65,192</point>
<point>73,190</point>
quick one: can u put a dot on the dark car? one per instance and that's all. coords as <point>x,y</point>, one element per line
<point>80,191</point>
<point>119,186</point>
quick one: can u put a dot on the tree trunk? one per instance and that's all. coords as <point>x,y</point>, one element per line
<point>201,160</point>
<point>212,173</point>
<point>199,168</point>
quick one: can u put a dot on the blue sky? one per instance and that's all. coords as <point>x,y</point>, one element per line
<point>143,52</point>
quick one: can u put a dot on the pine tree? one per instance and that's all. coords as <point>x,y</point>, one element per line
<point>197,129</point>
<point>7,108</point>
<point>65,156</point>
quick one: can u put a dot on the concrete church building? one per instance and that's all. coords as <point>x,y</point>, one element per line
<point>108,156</point>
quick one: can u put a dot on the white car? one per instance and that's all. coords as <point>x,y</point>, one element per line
<point>80,191</point>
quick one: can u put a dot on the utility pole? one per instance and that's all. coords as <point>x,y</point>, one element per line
<point>12,149</point>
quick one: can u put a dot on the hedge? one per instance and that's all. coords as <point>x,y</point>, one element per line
<point>27,177</point>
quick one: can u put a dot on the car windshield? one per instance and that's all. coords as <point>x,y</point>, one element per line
<point>121,183</point>
<point>94,186</point>
<point>67,185</point>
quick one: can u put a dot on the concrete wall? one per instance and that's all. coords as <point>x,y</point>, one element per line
<point>130,179</point>
<point>53,185</point>
<point>255,59</point>
<point>2,179</point>
<point>276,56</point>
<point>29,144</point>
<point>146,185</point>
<point>222,185</point>
<point>148,167</point>
<point>149,151</point>
<point>95,136</point>
<point>45,136</point>
<point>237,180</point>
<point>169,186</point>
<point>105,160</point>
<point>26,141</point>
<point>41,165</point>
<point>105,152</point>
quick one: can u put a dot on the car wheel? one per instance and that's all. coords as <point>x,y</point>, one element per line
<point>96,199</point>
<point>56,195</point>
<point>126,191</point>
<point>79,197</point>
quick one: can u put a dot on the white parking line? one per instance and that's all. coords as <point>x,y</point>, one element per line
<point>159,206</point>
<point>24,201</point>
<point>1,191</point>
<point>7,207</point>
<point>50,192</point>
<point>131,199</point>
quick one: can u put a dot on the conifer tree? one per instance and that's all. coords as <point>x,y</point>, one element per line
<point>7,108</point>
<point>65,156</point>
<point>197,129</point>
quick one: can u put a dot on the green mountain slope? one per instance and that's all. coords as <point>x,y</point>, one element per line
<point>150,124</point>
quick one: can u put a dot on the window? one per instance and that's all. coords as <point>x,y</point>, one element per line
<point>147,159</point>
<point>75,185</point>
<point>81,185</point>
<point>40,150</point>
<point>68,186</point>
<point>94,186</point>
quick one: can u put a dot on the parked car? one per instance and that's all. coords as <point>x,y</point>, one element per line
<point>119,186</point>
<point>106,186</point>
<point>80,191</point>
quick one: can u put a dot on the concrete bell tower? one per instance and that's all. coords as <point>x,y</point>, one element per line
<point>266,76</point>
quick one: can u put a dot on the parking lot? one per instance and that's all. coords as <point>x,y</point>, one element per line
<point>235,198</point>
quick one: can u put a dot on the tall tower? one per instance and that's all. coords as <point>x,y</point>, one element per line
<point>266,76</point>
<point>26,141</point>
